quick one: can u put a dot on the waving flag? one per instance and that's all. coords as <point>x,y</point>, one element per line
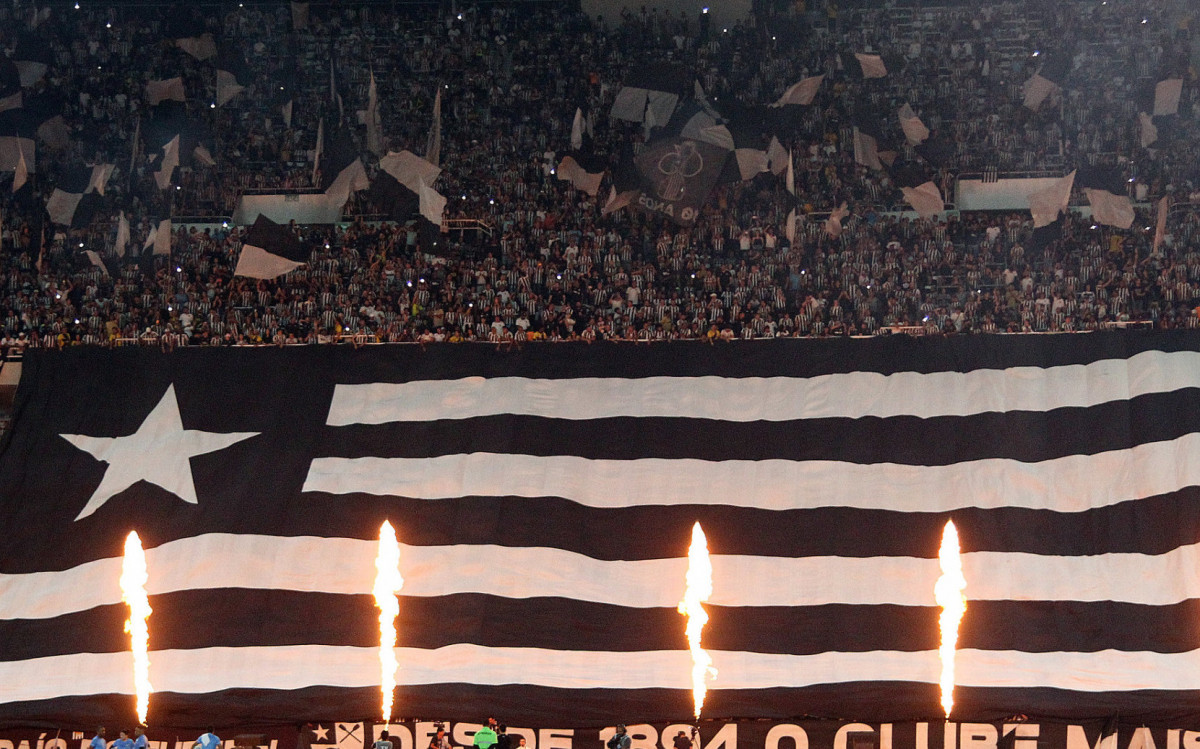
<point>545,499</point>
<point>232,74</point>
<point>585,174</point>
<point>270,250</point>
<point>342,172</point>
<point>873,66</point>
<point>170,89</point>
<point>32,57</point>
<point>914,130</point>
<point>651,90</point>
<point>678,175</point>
<point>1166,96</point>
<point>801,93</point>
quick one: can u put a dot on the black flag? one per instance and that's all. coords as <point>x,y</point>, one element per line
<point>270,250</point>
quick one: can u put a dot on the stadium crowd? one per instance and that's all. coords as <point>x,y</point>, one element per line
<point>545,262</point>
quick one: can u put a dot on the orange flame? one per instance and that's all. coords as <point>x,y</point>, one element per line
<point>949,595</point>
<point>133,592</point>
<point>388,583</point>
<point>699,590</point>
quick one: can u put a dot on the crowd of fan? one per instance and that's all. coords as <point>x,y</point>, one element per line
<point>550,266</point>
<point>371,283</point>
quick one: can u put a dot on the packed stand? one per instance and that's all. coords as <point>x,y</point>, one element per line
<point>548,264</point>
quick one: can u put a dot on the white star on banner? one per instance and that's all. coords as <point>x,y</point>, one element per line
<point>159,453</point>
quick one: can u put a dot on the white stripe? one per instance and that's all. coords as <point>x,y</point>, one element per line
<point>299,666</point>
<point>347,566</point>
<point>850,395</point>
<point>1073,483</point>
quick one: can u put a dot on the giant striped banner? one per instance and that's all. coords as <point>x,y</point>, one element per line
<point>544,500</point>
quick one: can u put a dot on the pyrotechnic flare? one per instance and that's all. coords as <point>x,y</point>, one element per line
<point>699,590</point>
<point>949,595</point>
<point>388,583</point>
<point>133,592</point>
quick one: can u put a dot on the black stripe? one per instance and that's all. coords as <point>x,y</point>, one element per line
<point>265,618</point>
<point>780,357</point>
<point>1149,526</point>
<point>1024,436</point>
<point>241,710</point>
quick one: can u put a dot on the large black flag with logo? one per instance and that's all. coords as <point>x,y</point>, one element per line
<point>544,500</point>
<point>678,174</point>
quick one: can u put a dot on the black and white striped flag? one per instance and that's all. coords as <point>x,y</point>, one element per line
<point>544,501</point>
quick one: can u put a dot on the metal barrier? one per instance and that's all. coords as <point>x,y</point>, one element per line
<point>990,175</point>
<point>467,224</point>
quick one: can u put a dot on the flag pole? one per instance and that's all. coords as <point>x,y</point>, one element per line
<point>137,132</point>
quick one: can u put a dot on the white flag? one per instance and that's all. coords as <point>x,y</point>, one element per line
<point>1160,228</point>
<point>618,200</point>
<point>866,150</point>
<point>872,65</point>
<point>915,131</point>
<point>227,87</point>
<point>374,137</point>
<point>1109,209</point>
<point>203,155</point>
<point>200,47</point>
<point>833,224</point>
<point>317,152</point>
<point>801,93</point>
<point>172,88</point>
<point>122,240</point>
<point>96,261</point>
<point>570,171</point>
<point>1149,131</point>
<point>790,179</point>
<point>1045,205</point>
<point>1166,96</point>
<point>1037,89</point>
<point>926,199</point>
<point>162,238</point>
<point>21,175</point>
<point>777,157</point>
<point>577,128</point>
<point>751,162</point>
<point>432,203</point>
<point>409,169</point>
<point>170,160</point>
<point>99,179</point>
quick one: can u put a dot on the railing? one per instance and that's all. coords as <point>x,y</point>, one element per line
<point>467,224</point>
<point>991,175</point>
<point>178,221</point>
<point>354,339</point>
<point>366,339</point>
<point>1183,207</point>
<point>281,191</point>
